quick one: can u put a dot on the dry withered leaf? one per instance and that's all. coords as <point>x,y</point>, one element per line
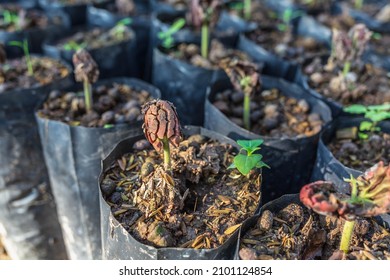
<point>85,68</point>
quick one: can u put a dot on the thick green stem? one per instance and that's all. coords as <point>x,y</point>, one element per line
<point>347,67</point>
<point>167,155</point>
<point>247,111</point>
<point>247,9</point>
<point>205,40</point>
<point>88,96</point>
<point>347,235</point>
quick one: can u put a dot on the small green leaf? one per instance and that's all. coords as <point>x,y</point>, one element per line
<point>356,109</point>
<point>108,126</point>
<point>250,144</point>
<point>246,163</point>
<point>231,166</point>
<point>262,164</point>
<point>382,107</point>
<point>16,44</point>
<point>365,126</point>
<point>378,116</point>
<point>125,21</point>
<point>363,135</point>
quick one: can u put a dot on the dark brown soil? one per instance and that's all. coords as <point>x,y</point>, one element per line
<point>191,53</point>
<point>272,113</point>
<point>94,39</point>
<point>215,200</point>
<point>367,85</point>
<point>113,105</point>
<point>14,75</point>
<point>315,6</point>
<point>27,19</point>
<point>361,154</point>
<point>295,233</point>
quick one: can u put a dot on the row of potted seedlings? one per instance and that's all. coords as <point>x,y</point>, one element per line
<point>180,212</point>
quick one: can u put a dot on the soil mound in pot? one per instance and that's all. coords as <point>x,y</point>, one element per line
<point>214,200</point>
<point>113,105</point>
<point>14,73</point>
<point>294,232</point>
<point>272,113</point>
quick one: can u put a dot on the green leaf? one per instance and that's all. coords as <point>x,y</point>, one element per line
<point>356,109</point>
<point>378,116</point>
<point>108,126</point>
<point>250,145</point>
<point>262,164</point>
<point>365,126</point>
<point>125,21</point>
<point>231,166</point>
<point>246,163</point>
<point>363,135</point>
<point>16,44</point>
<point>382,107</point>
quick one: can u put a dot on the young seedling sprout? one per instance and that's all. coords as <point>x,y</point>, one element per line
<point>348,48</point>
<point>359,4</point>
<point>161,127</point>
<point>375,113</point>
<point>24,46</point>
<point>167,36</point>
<point>245,162</point>
<point>204,14</point>
<point>19,20</point>
<point>121,27</point>
<point>86,71</point>
<point>247,9</point>
<point>245,78</point>
<point>370,196</point>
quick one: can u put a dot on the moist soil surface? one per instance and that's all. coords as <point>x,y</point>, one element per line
<point>114,104</point>
<point>272,113</point>
<point>296,233</point>
<point>14,73</point>
<point>198,204</point>
<point>26,19</point>
<point>191,54</point>
<point>365,84</point>
<point>94,39</point>
<point>361,154</point>
<point>278,38</point>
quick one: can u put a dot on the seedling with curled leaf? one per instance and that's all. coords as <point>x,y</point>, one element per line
<point>245,162</point>
<point>370,196</point>
<point>24,46</point>
<point>245,77</point>
<point>167,36</point>
<point>204,15</point>
<point>121,27</point>
<point>375,113</point>
<point>347,48</point>
<point>86,71</point>
<point>161,127</point>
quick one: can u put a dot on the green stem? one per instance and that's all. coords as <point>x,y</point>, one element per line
<point>247,9</point>
<point>205,40</point>
<point>167,155</point>
<point>346,236</point>
<point>30,69</point>
<point>247,110</point>
<point>347,67</point>
<point>358,4</point>
<point>88,96</point>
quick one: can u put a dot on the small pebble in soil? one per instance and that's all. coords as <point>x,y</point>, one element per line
<point>266,220</point>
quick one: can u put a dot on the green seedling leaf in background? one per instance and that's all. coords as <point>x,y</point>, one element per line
<point>73,46</point>
<point>24,46</point>
<point>167,36</point>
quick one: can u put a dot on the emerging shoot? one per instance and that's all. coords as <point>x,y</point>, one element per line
<point>245,78</point>
<point>24,46</point>
<point>204,14</point>
<point>370,196</point>
<point>86,71</point>
<point>121,27</point>
<point>161,127</point>
<point>248,161</point>
<point>167,36</point>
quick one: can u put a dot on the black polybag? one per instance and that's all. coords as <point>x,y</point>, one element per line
<point>34,36</point>
<point>28,216</point>
<point>327,167</point>
<point>291,159</point>
<point>117,60</point>
<point>23,3</point>
<point>77,12</point>
<point>118,244</point>
<point>99,17</point>
<point>73,156</point>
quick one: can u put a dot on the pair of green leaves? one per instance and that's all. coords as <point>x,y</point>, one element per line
<point>245,162</point>
<point>167,36</point>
